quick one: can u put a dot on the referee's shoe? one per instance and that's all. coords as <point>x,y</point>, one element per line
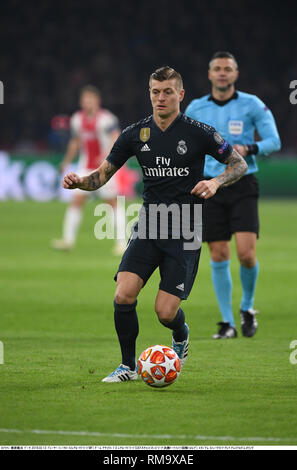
<point>225,331</point>
<point>249,323</point>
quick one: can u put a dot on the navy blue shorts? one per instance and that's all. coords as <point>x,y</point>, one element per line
<point>177,267</point>
<point>232,209</point>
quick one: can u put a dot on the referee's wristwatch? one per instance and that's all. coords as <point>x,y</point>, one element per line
<point>251,149</point>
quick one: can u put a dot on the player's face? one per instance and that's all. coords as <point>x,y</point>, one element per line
<point>165,97</point>
<point>89,102</point>
<point>222,73</point>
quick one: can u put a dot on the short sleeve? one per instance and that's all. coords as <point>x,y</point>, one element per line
<point>190,110</point>
<point>215,144</point>
<point>121,150</point>
<point>75,125</point>
<point>110,123</point>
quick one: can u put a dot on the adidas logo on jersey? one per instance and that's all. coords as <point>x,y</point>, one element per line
<point>145,148</point>
<point>181,287</point>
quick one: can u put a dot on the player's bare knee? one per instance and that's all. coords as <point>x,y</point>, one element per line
<point>124,298</point>
<point>165,317</point>
<point>165,314</point>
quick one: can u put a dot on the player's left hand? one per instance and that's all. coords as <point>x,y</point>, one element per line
<point>206,188</point>
<point>241,149</point>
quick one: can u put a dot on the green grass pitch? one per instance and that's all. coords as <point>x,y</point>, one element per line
<point>56,326</point>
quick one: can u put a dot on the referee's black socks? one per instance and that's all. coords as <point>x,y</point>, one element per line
<point>178,326</point>
<point>126,325</point>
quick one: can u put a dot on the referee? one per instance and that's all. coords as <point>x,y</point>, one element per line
<point>234,210</point>
<point>170,149</point>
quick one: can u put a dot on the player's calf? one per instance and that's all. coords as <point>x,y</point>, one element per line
<point>180,334</point>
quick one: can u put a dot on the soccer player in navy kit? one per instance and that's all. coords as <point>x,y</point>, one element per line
<point>170,149</point>
<point>234,210</point>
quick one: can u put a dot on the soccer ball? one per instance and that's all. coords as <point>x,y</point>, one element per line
<point>158,366</point>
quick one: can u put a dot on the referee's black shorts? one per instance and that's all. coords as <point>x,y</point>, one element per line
<point>178,267</point>
<point>232,209</point>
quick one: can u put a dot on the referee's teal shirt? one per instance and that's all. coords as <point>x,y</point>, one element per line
<point>236,120</point>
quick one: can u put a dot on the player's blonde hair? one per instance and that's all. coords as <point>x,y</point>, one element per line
<point>167,73</point>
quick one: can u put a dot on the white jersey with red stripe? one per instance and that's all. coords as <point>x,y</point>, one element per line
<point>94,133</point>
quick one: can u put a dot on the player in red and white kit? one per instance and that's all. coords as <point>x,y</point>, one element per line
<point>93,133</point>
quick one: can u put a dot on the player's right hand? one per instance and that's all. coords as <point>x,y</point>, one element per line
<point>71,181</point>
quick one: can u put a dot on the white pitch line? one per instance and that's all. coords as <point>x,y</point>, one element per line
<point>149,436</point>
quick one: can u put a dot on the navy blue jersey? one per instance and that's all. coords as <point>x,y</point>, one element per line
<point>172,161</point>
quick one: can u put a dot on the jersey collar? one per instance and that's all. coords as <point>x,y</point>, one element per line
<point>222,103</point>
<point>169,127</point>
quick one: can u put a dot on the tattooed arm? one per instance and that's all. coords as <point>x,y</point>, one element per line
<point>235,169</point>
<point>91,182</point>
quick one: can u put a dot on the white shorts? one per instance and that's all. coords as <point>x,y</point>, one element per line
<point>108,191</point>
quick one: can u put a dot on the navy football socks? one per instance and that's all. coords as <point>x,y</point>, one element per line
<point>126,324</point>
<point>178,326</point>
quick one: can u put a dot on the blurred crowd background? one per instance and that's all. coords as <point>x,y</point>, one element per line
<point>51,49</point>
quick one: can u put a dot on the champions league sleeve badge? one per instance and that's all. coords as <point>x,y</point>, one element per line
<point>181,147</point>
<point>218,138</point>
